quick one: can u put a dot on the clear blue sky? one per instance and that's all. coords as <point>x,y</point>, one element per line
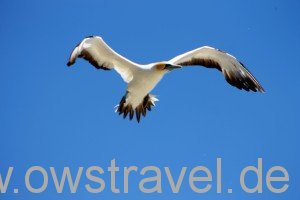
<point>51,115</point>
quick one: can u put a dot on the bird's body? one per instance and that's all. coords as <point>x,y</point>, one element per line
<point>142,84</point>
<point>141,79</point>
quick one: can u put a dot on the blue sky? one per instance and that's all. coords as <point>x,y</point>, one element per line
<point>51,115</point>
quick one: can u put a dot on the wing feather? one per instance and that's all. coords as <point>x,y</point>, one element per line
<point>235,73</point>
<point>101,56</point>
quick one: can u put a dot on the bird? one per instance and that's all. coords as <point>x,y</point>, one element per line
<point>141,79</point>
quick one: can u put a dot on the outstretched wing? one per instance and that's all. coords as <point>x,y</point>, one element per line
<point>234,71</point>
<point>101,56</point>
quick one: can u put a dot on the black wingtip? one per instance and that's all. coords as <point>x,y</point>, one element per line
<point>90,36</point>
<point>262,90</point>
<point>69,64</point>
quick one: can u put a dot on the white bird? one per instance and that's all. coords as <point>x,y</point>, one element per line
<point>141,79</point>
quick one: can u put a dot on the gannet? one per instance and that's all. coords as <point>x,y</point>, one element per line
<point>141,79</point>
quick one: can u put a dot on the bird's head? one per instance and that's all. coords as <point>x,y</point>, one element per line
<point>165,66</point>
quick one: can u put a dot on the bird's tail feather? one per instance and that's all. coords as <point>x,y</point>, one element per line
<point>127,109</point>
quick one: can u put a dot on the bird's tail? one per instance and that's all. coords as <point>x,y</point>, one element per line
<point>127,109</point>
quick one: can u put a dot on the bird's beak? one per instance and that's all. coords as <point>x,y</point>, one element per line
<point>170,67</point>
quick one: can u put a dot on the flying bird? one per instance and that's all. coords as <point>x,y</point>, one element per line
<point>141,79</point>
